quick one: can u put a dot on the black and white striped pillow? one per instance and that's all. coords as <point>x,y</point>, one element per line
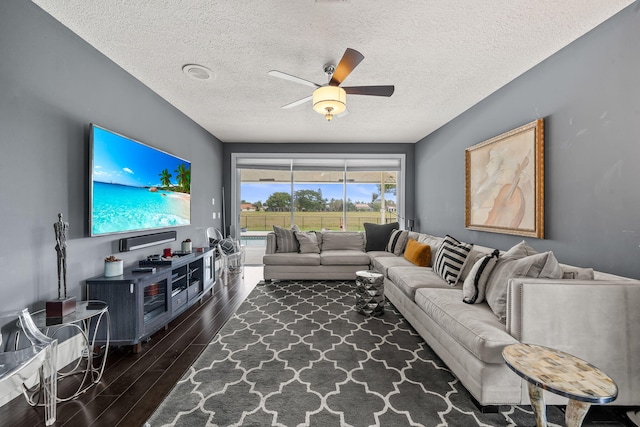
<point>397,242</point>
<point>450,259</point>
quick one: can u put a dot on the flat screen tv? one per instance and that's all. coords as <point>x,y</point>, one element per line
<point>135,187</point>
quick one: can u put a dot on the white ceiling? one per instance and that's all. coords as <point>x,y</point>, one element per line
<point>442,56</point>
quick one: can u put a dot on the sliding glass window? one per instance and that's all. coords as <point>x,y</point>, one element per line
<point>317,193</point>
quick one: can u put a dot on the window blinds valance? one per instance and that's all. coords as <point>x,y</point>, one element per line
<point>320,163</point>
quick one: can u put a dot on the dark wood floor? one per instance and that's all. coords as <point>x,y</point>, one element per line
<point>133,385</point>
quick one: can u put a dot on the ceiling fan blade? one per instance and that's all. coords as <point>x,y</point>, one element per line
<point>298,102</point>
<point>291,78</point>
<point>349,61</point>
<point>370,90</point>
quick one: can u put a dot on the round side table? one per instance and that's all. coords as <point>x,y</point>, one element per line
<point>85,320</point>
<point>370,293</point>
<point>560,373</point>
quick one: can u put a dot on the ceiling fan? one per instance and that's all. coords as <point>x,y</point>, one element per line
<point>330,99</point>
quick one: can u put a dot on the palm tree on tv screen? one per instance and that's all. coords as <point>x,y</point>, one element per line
<point>165,178</point>
<point>184,177</point>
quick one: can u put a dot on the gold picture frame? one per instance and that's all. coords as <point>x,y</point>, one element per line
<point>504,186</point>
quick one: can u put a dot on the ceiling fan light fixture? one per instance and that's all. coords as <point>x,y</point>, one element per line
<point>329,101</point>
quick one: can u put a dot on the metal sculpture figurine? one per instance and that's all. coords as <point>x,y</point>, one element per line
<point>61,228</point>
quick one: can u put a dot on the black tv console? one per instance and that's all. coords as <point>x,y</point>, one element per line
<point>141,303</point>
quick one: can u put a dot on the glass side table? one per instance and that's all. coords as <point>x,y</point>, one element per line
<point>86,320</point>
<point>560,373</point>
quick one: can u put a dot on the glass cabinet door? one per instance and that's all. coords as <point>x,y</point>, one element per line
<point>155,301</point>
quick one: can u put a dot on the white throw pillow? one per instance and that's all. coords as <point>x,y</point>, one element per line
<point>474,286</point>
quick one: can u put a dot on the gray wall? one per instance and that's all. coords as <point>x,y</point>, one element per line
<point>341,148</point>
<point>52,85</point>
<point>589,97</point>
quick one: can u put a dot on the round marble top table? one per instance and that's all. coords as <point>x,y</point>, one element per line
<point>560,373</point>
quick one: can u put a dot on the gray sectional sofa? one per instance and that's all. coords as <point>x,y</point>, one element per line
<point>590,314</point>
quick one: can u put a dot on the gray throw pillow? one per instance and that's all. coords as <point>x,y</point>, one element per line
<point>474,286</point>
<point>397,242</point>
<point>520,250</point>
<point>339,240</point>
<point>544,265</point>
<point>286,239</point>
<point>378,235</point>
<point>308,241</point>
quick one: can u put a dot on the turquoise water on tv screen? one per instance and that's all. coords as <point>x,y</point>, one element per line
<point>118,208</point>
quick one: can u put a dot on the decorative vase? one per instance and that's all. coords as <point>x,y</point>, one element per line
<point>186,246</point>
<point>113,268</point>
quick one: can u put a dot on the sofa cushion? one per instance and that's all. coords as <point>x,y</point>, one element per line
<point>377,235</point>
<point>408,279</point>
<point>414,235</point>
<point>475,284</point>
<point>376,254</point>
<point>337,240</point>
<point>308,241</point>
<point>417,253</point>
<point>450,259</point>
<point>383,263</point>
<point>571,272</point>
<point>432,241</point>
<point>344,257</point>
<point>291,258</point>
<point>544,265</point>
<point>475,326</point>
<point>397,242</point>
<point>286,239</point>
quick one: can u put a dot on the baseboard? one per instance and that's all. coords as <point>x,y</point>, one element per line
<point>68,351</point>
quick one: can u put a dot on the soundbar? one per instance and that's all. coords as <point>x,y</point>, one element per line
<point>139,242</point>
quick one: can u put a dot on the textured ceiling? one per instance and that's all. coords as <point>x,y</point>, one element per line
<point>442,56</point>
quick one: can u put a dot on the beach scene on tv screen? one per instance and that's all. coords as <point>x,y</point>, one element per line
<point>136,187</point>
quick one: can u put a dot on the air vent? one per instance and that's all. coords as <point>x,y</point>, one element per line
<point>198,72</point>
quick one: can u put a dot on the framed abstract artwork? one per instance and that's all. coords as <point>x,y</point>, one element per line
<point>504,184</point>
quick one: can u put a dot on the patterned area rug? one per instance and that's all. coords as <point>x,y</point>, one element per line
<point>297,353</point>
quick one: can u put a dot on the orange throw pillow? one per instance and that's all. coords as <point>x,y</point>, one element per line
<point>418,253</point>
